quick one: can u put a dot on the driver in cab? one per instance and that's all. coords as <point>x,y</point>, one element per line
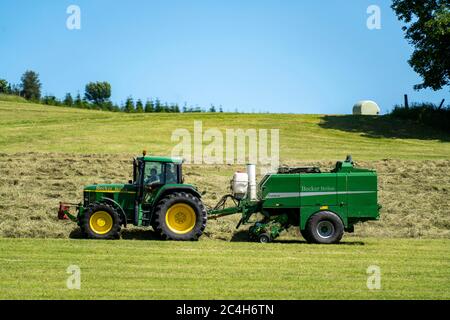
<point>153,178</point>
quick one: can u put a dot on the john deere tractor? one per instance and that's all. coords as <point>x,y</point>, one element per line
<point>155,197</point>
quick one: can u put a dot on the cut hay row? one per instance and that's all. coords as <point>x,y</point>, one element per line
<point>414,194</point>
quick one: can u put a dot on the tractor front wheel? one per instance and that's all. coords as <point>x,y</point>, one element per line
<point>100,221</point>
<point>180,216</point>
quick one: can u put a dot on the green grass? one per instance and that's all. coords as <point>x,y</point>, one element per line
<point>12,98</point>
<point>32,127</point>
<point>410,269</point>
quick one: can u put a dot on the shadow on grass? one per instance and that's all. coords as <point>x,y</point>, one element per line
<point>344,243</point>
<point>239,236</point>
<point>382,127</point>
<point>139,234</point>
<point>126,234</point>
<point>242,236</point>
<point>76,234</point>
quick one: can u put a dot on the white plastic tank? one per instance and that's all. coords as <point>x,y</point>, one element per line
<point>239,185</point>
<point>251,172</point>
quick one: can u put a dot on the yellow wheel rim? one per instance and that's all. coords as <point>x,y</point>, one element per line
<point>180,218</point>
<point>101,222</point>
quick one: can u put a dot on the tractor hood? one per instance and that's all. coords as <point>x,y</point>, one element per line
<point>111,188</point>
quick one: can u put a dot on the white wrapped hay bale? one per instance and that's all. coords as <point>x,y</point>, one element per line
<point>366,107</point>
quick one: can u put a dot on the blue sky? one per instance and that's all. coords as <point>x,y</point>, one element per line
<point>254,55</point>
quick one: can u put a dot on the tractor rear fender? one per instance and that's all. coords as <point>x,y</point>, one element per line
<point>119,209</point>
<point>165,190</point>
<point>168,189</point>
<point>307,212</point>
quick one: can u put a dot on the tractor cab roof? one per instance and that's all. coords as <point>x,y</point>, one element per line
<point>160,159</point>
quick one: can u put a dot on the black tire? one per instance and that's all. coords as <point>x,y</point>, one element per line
<point>325,228</point>
<point>264,238</point>
<point>305,234</point>
<point>194,231</point>
<point>155,227</point>
<point>106,209</point>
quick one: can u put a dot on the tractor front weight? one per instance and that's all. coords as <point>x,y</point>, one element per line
<point>64,211</point>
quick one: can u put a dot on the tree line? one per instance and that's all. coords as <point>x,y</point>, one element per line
<point>97,96</point>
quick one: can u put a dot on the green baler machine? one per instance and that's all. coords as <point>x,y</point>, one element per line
<point>321,204</point>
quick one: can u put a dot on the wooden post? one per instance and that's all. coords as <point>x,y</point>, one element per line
<point>406,101</point>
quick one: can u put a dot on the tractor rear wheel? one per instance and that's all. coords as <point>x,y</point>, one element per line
<point>180,216</point>
<point>100,221</point>
<point>325,227</point>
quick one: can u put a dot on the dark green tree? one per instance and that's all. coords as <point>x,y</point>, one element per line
<point>139,106</point>
<point>98,92</point>
<point>68,100</point>
<point>50,100</point>
<point>212,108</point>
<point>427,29</point>
<point>15,89</point>
<point>78,102</point>
<point>129,105</point>
<point>158,106</point>
<point>115,108</point>
<point>31,86</point>
<point>4,86</point>
<point>149,106</point>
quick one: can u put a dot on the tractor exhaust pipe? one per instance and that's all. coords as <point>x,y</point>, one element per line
<point>251,172</point>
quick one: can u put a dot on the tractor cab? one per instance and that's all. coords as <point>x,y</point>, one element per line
<point>156,196</point>
<point>153,172</point>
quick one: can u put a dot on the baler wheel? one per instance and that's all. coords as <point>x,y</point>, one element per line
<point>325,227</point>
<point>306,235</point>
<point>264,238</point>
<point>180,216</point>
<point>101,221</point>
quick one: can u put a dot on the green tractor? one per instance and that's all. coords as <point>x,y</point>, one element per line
<point>157,197</point>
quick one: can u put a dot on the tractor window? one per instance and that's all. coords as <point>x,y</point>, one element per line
<point>171,173</point>
<point>153,173</point>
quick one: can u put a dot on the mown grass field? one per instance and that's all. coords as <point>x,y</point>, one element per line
<point>47,154</point>
<point>410,269</point>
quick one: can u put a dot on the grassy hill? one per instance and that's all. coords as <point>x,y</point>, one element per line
<point>48,154</point>
<point>30,127</point>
